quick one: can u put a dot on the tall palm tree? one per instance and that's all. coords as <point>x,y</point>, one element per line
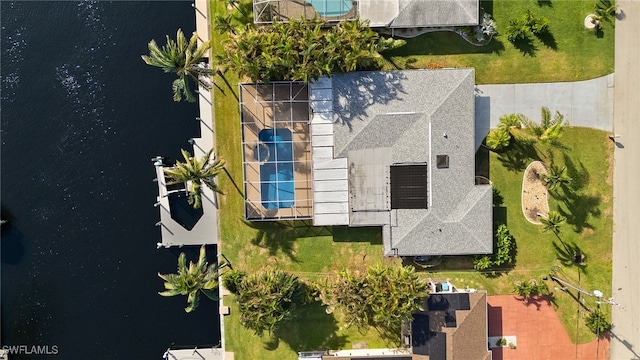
<point>549,129</point>
<point>552,222</point>
<point>185,59</point>
<point>192,280</point>
<point>194,173</point>
<point>556,177</point>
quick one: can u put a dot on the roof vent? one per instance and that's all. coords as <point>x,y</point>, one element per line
<point>442,161</point>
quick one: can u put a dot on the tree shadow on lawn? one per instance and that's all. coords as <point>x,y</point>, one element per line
<point>566,254</point>
<point>313,329</point>
<point>281,235</point>
<point>548,40</point>
<point>370,234</point>
<point>578,173</point>
<point>538,300</point>
<point>546,3</point>
<point>445,43</point>
<point>525,46</point>
<point>518,155</point>
<point>578,208</point>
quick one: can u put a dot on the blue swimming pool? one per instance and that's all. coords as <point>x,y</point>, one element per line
<point>276,173</point>
<point>331,7</point>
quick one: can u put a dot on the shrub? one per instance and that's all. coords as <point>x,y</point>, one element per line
<point>597,322</point>
<point>268,298</point>
<point>504,251</point>
<point>384,296</point>
<point>232,279</point>
<point>528,289</point>
<point>517,30</point>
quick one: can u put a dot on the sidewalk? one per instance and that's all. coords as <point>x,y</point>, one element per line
<point>586,103</point>
<point>625,341</point>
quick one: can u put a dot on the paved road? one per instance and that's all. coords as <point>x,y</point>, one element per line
<point>625,342</point>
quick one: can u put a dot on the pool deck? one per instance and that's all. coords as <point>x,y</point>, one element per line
<point>278,105</point>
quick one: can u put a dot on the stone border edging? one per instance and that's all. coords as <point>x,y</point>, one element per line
<point>522,192</point>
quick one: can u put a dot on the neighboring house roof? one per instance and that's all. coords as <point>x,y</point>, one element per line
<point>419,13</point>
<point>409,118</point>
<point>452,327</point>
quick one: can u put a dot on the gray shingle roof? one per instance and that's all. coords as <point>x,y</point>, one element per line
<point>419,13</point>
<point>419,114</point>
<point>427,13</point>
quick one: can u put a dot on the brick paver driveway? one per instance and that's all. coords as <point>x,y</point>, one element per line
<point>538,330</point>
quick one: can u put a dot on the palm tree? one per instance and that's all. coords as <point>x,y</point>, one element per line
<point>604,11</point>
<point>498,139</point>
<point>194,173</point>
<point>384,297</point>
<point>515,125</point>
<point>529,289</point>
<point>552,222</point>
<point>537,24</point>
<point>517,30</point>
<point>192,280</point>
<point>556,177</point>
<point>549,129</point>
<point>269,298</point>
<point>183,58</point>
<point>223,24</point>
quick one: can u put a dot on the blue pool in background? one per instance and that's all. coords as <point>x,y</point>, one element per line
<point>331,7</point>
<point>276,173</point>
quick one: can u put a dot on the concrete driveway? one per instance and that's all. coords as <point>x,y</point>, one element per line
<point>586,103</point>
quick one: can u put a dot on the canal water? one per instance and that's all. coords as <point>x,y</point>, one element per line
<point>81,117</point>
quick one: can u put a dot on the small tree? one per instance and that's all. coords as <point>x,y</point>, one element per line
<point>232,280</point>
<point>194,173</point>
<point>549,129</point>
<point>304,50</point>
<point>193,280</point>
<point>268,298</point>
<point>223,24</point>
<point>537,24</point>
<point>529,289</point>
<point>553,222</point>
<point>556,177</point>
<point>605,11</point>
<point>185,59</point>
<point>498,139</point>
<point>383,297</point>
<point>517,30</point>
<point>596,322</point>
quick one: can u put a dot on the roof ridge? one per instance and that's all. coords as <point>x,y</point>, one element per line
<point>465,205</point>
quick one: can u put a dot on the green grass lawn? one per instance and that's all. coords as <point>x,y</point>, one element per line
<point>297,247</point>
<point>588,155</point>
<point>313,253</point>
<point>572,53</point>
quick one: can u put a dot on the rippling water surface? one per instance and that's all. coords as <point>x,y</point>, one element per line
<point>81,117</point>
